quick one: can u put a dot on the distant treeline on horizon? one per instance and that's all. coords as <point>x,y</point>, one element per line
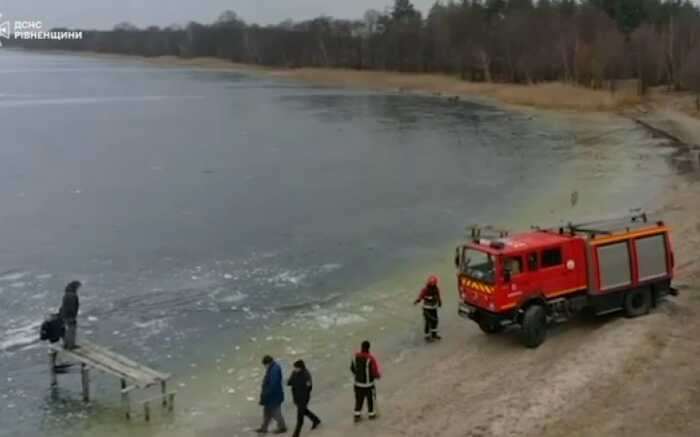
<point>589,42</point>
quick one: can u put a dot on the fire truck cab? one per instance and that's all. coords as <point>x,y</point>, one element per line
<point>535,278</point>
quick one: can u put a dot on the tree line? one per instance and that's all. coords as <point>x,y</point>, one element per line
<point>589,42</point>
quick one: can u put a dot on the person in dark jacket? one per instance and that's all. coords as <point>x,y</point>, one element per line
<point>366,370</point>
<point>300,381</point>
<point>430,296</point>
<point>69,314</point>
<point>272,396</point>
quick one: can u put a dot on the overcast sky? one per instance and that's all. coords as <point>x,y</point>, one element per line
<point>104,14</point>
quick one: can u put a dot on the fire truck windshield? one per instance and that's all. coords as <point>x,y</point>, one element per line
<point>479,266</point>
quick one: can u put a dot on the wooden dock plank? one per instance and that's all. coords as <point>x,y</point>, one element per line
<point>108,362</point>
<point>128,362</point>
<point>98,354</point>
<point>107,367</point>
<point>114,364</point>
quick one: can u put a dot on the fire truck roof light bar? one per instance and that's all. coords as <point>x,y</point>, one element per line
<point>487,233</point>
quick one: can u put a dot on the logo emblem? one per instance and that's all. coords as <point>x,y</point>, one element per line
<point>4,30</point>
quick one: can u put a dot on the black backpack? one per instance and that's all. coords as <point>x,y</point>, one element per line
<point>52,329</point>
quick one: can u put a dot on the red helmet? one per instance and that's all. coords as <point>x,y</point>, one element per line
<point>433,280</point>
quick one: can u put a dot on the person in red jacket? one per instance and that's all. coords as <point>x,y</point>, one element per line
<point>366,370</point>
<point>430,296</point>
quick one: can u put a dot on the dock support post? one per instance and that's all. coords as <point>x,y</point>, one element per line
<point>125,400</point>
<point>163,392</point>
<point>52,367</point>
<point>147,411</point>
<point>171,402</point>
<point>85,378</point>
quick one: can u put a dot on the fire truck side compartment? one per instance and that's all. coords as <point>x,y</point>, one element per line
<point>612,271</point>
<point>651,257</point>
<point>614,266</point>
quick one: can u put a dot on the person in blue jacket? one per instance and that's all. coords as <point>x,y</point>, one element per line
<point>272,396</point>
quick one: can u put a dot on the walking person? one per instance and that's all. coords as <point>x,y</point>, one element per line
<point>430,296</point>
<point>300,381</point>
<point>272,396</point>
<point>366,370</point>
<point>69,314</point>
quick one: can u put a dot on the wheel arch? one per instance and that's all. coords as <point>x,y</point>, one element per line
<point>530,301</point>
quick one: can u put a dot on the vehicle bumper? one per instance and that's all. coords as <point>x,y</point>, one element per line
<point>476,314</point>
<point>467,311</point>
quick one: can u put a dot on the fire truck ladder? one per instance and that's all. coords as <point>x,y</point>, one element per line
<point>636,219</point>
<point>609,226</point>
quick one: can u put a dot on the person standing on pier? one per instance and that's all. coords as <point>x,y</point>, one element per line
<point>69,314</point>
<point>300,381</point>
<point>272,396</point>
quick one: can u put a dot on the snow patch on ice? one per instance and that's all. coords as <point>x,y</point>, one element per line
<point>327,268</point>
<point>16,338</point>
<point>334,320</point>
<point>13,276</point>
<point>228,296</point>
<point>288,277</point>
<point>152,327</point>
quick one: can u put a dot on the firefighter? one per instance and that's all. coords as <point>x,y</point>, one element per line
<point>366,370</point>
<point>69,314</point>
<point>430,296</point>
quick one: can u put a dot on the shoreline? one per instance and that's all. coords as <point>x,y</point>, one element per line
<point>553,96</point>
<point>556,96</point>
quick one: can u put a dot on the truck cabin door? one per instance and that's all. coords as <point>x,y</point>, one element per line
<point>556,277</point>
<point>514,277</point>
<point>544,271</point>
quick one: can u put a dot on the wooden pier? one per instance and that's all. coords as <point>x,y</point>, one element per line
<point>132,375</point>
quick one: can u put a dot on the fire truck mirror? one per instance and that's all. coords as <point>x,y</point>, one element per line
<point>458,258</point>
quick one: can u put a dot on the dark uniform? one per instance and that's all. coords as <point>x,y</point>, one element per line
<point>430,296</point>
<point>366,370</point>
<point>300,381</point>
<point>69,314</point>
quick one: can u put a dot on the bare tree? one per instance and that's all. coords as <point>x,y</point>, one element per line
<point>690,75</point>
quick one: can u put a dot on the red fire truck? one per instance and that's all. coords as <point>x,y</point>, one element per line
<point>535,278</point>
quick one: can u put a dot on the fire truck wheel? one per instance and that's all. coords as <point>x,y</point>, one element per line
<point>534,326</point>
<point>637,302</point>
<point>490,328</point>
